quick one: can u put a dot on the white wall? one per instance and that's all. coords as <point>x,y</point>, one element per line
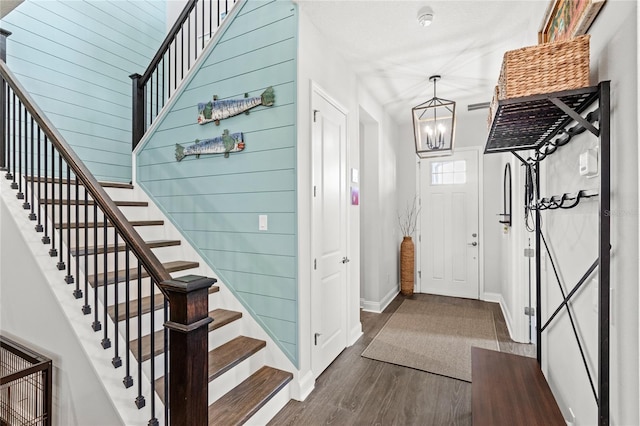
<point>335,76</point>
<point>471,131</point>
<point>31,315</point>
<point>573,235</point>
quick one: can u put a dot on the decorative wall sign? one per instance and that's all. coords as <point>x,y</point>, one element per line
<point>565,19</point>
<point>220,145</point>
<point>218,110</point>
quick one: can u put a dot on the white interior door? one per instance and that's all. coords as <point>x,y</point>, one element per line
<point>449,225</point>
<point>329,283</point>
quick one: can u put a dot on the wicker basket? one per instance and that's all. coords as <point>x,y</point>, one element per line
<point>544,68</point>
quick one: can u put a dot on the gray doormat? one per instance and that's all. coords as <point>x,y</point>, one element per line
<point>435,337</point>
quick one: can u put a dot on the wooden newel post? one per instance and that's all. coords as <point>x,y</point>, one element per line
<point>137,110</point>
<point>188,349</point>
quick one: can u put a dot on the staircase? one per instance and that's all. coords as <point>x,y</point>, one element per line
<point>118,252</point>
<point>117,258</point>
<point>239,382</point>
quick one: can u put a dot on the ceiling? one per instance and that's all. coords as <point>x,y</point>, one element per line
<point>394,56</point>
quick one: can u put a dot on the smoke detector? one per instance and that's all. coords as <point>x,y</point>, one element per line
<point>425,16</point>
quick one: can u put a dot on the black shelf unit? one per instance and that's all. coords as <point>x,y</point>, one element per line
<point>540,123</point>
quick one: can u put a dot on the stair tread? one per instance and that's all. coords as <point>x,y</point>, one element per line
<point>145,302</point>
<point>121,247</point>
<point>174,266</point>
<point>123,203</point>
<point>64,225</point>
<point>225,357</point>
<point>73,182</point>
<point>220,317</point>
<point>240,403</point>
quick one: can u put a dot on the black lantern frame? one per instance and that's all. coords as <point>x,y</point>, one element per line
<point>434,125</point>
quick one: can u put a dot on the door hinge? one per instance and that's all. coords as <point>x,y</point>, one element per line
<point>419,274</point>
<point>314,190</point>
<point>315,338</point>
<point>419,238</point>
<point>315,264</point>
<point>530,312</point>
<point>315,112</point>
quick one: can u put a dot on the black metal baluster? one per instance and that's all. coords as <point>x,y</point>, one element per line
<point>140,402</point>
<point>116,361</point>
<point>210,18</point>
<point>163,80</point>
<point>151,100</point>
<point>128,380</point>
<point>32,215</point>
<point>20,195</point>
<point>53,252</point>
<point>12,175</point>
<point>195,32</point>
<point>7,131</point>
<point>69,278</point>
<point>4,151</point>
<point>157,92</point>
<point>45,181</point>
<point>203,19</point>
<point>96,326</point>
<point>189,43</point>
<point>218,18</point>
<point>153,421</point>
<point>39,227</point>
<point>61,264</point>
<point>106,343</point>
<point>77,293</point>
<point>86,309</point>
<point>169,72</point>
<point>181,54</point>
<point>25,153</point>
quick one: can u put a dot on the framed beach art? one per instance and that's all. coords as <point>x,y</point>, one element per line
<point>565,19</point>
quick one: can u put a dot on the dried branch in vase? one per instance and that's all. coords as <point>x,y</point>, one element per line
<point>409,218</point>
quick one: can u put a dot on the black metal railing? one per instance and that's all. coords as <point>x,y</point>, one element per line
<point>180,49</point>
<point>25,385</point>
<point>87,234</point>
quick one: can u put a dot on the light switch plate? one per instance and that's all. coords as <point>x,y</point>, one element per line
<point>262,222</point>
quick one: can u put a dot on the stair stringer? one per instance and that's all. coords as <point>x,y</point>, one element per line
<point>302,384</point>
<point>120,398</point>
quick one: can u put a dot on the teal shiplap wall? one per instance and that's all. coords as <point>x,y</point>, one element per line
<point>74,58</point>
<point>216,201</point>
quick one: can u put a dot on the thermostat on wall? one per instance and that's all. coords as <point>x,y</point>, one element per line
<point>589,163</point>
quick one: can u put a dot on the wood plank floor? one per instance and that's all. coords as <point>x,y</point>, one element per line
<point>360,391</point>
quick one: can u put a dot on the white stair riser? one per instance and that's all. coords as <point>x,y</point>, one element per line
<point>235,376</point>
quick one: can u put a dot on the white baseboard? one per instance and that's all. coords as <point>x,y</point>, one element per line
<point>303,386</point>
<point>355,334</point>
<point>380,306</point>
<point>497,298</point>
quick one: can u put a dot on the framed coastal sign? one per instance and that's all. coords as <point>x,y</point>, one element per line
<point>565,19</point>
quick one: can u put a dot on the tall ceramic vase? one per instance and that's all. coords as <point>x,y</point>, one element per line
<point>407,251</point>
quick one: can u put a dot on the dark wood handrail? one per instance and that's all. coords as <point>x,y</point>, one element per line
<point>144,254</point>
<point>173,32</point>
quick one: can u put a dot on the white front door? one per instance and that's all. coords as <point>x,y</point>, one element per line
<point>329,283</point>
<point>449,225</point>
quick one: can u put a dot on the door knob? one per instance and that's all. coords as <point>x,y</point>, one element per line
<point>345,260</point>
<point>473,244</point>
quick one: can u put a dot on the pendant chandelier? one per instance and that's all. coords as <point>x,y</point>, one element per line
<point>433,125</point>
